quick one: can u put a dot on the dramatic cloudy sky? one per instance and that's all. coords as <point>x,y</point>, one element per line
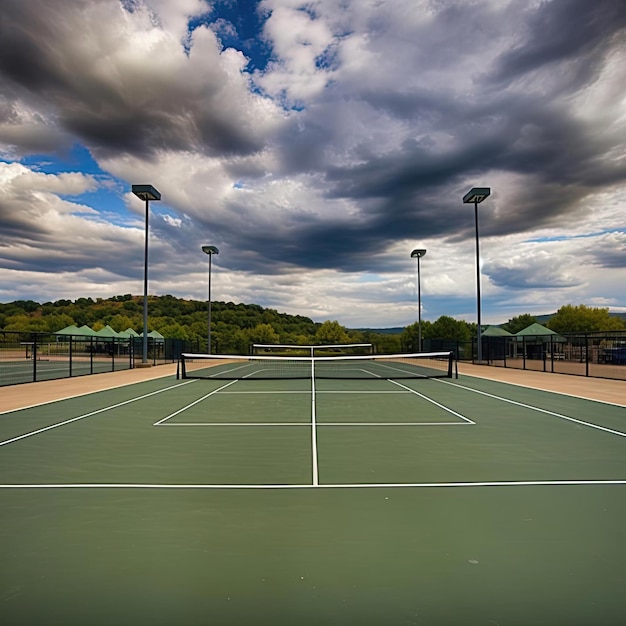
<point>316,143</point>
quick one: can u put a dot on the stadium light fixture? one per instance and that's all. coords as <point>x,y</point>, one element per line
<point>476,195</point>
<point>210,251</point>
<point>418,254</point>
<point>149,194</point>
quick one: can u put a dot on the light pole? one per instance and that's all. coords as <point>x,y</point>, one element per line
<point>477,195</point>
<point>210,250</point>
<point>418,254</point>
<point>147,193</point>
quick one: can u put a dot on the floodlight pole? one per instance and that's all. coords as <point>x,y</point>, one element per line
<point>418,253</point>
<point>210,251</point>
<point>476,195</point>
<point>147,193</point>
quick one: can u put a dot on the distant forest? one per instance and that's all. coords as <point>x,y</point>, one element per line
<point>235,326</point>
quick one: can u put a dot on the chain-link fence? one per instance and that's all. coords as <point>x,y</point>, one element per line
<point>29,357</point>
<point>598,355</point>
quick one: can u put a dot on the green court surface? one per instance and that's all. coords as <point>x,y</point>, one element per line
<point>393,502</point>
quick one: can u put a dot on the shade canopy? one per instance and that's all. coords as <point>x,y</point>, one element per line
<point>69,330</point>
<point>539,332</point>
<point>496,331</point>
<point>107,332</point>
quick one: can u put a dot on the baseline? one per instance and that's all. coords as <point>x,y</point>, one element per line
<point>497,483</point>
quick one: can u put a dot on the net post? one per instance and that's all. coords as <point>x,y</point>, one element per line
<point>178,369</point>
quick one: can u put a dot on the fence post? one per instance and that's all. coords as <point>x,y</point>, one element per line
<point>34,357</point>
<point>551,353</point>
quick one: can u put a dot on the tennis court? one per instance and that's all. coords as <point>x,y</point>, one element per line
<point>313,500</point>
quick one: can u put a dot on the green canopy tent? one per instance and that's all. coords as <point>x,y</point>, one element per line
<point>536,330</point>
<point>68,330</point>
<point>110,341</point>
<point>496,346</point>
<point>157,341</point>
<point>538,341</point>
<point>107,332</point>
<point>85,330</point>
<point>128,333</point>
<point>83,334</point>
<point>157,336</point>
<point>495,331</point>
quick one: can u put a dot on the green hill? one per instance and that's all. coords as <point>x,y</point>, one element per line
<point>233,326</point>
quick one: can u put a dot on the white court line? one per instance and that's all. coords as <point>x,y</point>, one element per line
<point>362,393</point>
<point>535,408</point>
<point>307,424</point>
<point>560,393</point>
<point>224,371</point>
<point>314,428</point>
<point>465,423</point>
<point>204,397</point>
<point>441,406</point>
<point>319,424</point>
<point>80,417</point>
<point>236,393</point>
<point>80,395</point>
<point>511,483</point>
<point>243,393</point>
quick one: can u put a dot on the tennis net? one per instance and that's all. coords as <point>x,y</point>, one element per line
<point>383,366</point>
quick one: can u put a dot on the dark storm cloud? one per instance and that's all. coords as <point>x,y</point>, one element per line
<point>518,120</point>
<point>531,276</point>
<point>418,106</point>
<point>611,256</point>
<point>561,158</point>
<point>36,136</point>
<point>18,226</point>
<point>576,31</point>
<point>57,53</point>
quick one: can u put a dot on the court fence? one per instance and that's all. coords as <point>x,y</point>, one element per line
<point>30,357</point>
<point>593,354</point>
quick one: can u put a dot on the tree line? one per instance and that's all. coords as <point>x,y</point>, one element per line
<point>568,319</point>
<point>235,326</point>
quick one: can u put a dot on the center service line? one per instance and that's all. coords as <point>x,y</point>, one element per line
<point>313,427</point>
